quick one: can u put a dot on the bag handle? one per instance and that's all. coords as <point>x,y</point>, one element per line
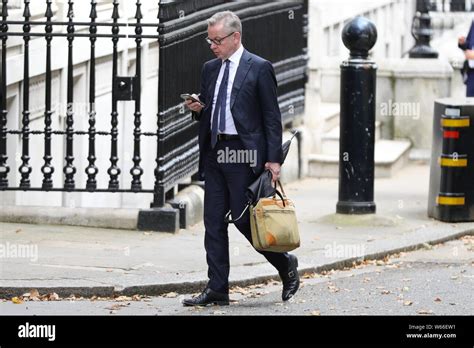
<point>282,196</point>
<point>281,188</point>
<point>229,220</point>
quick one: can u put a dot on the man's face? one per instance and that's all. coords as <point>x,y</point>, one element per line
<point>228,45</point>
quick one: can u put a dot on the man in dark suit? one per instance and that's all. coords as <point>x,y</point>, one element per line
<point>238,113</point>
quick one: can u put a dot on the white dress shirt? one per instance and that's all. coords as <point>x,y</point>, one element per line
<point>233,65</point>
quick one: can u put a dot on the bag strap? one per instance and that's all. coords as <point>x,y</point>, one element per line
<point>282,197</point>
<point>281,188</point>
<point>227,218</point>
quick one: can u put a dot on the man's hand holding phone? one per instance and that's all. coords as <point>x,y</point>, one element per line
<point>192,102</point>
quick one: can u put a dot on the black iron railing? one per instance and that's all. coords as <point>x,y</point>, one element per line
<point>119,84</point>
<point>274,30</point>
<point>450,5</point>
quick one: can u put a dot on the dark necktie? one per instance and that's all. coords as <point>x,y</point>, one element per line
<point>219,111</point>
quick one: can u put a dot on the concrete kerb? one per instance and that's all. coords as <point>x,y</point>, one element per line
<point>88,217</point>
<point>192,287</point>
<point>191,199</point>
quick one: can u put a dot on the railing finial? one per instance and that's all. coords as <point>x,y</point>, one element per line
<point>115,13</point>
<point>138,14</point>
<point>4,8</point>
<point>93,14</point>
<point>49,12</point>
<point>70,11</point>
<point>26,12</point>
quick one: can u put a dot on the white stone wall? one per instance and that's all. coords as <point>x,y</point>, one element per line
<point>327,19</point>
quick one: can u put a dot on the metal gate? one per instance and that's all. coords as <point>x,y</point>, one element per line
<point>275,30</point>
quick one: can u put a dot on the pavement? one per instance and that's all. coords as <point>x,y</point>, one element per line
<point>431,281</point>
<point>109,262</point>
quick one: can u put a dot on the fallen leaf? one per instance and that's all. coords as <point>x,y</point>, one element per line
<point>17,300</point>
<point>437,299</point>
<point>18,230</point>
<point>123,298</point>
<point>393,266</point>
<point>272,282</point>
<point>316,313</point>
<point>407,303</point>
<point>427,246</point>
<point>53,297</point>
<point>171,295</point>
<point>239,290</point>
<point>34,294</point>
<point>116,306</point>
<point>425,311</point>
<point>385,292</point>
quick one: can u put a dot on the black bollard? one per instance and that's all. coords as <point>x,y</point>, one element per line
<point>357,120</point>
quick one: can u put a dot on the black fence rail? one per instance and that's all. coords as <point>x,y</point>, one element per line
<point>123,88</point>
<point>274,30</point>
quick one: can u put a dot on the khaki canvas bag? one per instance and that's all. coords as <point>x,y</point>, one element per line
<point>274,225</point>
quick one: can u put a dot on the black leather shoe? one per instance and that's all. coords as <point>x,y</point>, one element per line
<point>290,279</point>
<point>208,297</point>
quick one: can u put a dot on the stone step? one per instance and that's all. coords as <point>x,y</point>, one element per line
<point>330,140</point>
<point>329,114</point>
<point>390,156</point>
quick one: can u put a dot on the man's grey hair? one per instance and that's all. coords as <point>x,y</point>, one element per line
<point>230,20</point>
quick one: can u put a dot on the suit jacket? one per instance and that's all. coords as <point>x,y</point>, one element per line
<point>254,107</point>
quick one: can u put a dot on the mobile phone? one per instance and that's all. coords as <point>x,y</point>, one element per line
<point>187,96</point>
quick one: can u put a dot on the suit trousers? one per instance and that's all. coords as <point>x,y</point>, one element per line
<point>470,84</point>
<point>225,186</point>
